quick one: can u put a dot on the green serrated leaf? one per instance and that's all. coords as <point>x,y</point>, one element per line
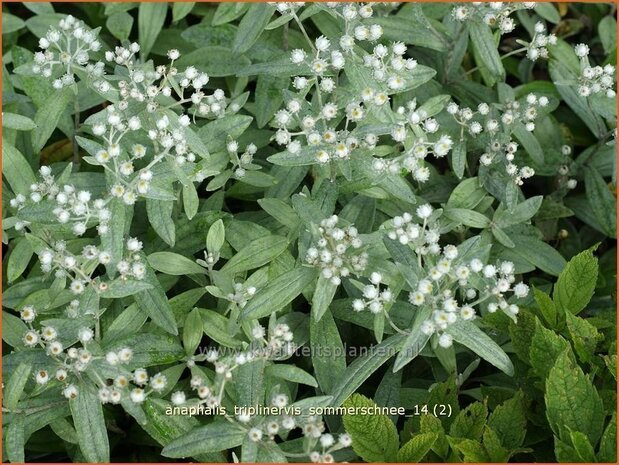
<point>374,437</point>
<point>576,283</point>
<point>572,401</point>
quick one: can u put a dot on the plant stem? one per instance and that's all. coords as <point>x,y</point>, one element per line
<point>76,123</point>
<point>507,55</point>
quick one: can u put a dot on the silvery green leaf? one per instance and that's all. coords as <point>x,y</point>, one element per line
<point>216,237</point>
<point>87,413</point>
<point>18,122</point>
<point>18,259</point>
<point>251,27</point>
<point>466,217</point>
<point>15,385</point>
<point>322,297</point>
<point>181,9</point>
<point>15,437</point>
<point>213,437</point>
<point>48,116</point>
<point>601,201</point>
<point>151,17</point>
<point>363,367</point>
<point>415,341</point>
<point>256,254</point>
<point>279,293</point>
<point>174,264</point>
<point>469,335</point>
<point>124,288</point>
<point>16,169</point>
<point>291,373</point>
<point>485,44</point>
<point>191,201</point>
<point>164,428</point>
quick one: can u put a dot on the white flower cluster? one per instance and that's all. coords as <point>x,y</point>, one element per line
<point>241,294</point>
<point>79,268</point>
<point>114,158</point>
<point>169,138</point>
<point>537,48</point>
<point>594,79</point>
<point>68,48</point>
<point>422,237</point>
<point>287,7</point>
<point>279,345</point>
<point>169,142</point>
<point>453,290</point>
<point>498,125</point>
<point>167,86</point>
<point>269,427</point>
<point>327,443</point>
<point>318,445</point>
<point>241,164</point>
<point>389,65</point>
<point>337,252</point>
<point>70,362</point>
<point>494,14</point>
<point>324,59</point>
<point>70,205</point>
<point>355,27</point>
<point>315,126</point>
<point>120,388</point>
<point>374,298</point>
<point>132,266</point>
<point>317,131</point>
<point>411,159</point>
<point>564,170</point>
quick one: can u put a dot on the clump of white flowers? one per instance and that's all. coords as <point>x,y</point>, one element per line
<point>374,297</point>
<point>411,120</point>
<point>538,47</point>
<point>80,268</point>
<point>594,79</point>
<point>241,295</point>
<point>496,127</point>
<point>244,162</point>
<point>67,48</point>
<point>389,66</point>
<point>494,14</point>
<point>422,235</point>
<point>453,290</point>
<point>306,127</point>
<point>273,344</point>
<point>337,252</point>
<point>69,363</point>
<point>69,205</point>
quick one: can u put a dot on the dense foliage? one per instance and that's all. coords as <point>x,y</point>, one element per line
<point>299,207</point>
